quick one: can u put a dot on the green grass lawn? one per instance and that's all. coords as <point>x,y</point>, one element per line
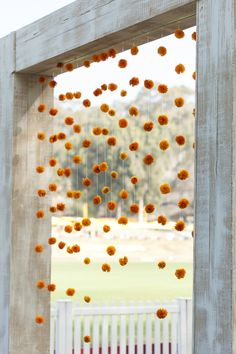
<point>136,281</point>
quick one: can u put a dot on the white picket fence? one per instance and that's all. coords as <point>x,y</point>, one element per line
<point>121,328</point>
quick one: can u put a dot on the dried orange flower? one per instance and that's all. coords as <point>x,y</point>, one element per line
<point>183,174</point>
<point>61,136</point>
<point>96,58</point>
<point>165,188</point>
<point>52,209</point>
<point>87,299</point>
<point>87,260</point>
<point>179,33</point>
<point>52,240</point>
<point>40,214</point>
<point>123,123</point>
<point>103,166</point>
<point>111,250</point>
<point>112,86</point>
<point>134,81</point>
<point>61,206</point>
<point>53,111</point>
<point>105,190</point>
<point>180,273</point>
<point>52,83</point>
<point>69,95</point>
<point>164,145</point>
<point>111,141</point>
<point>111,53</point>
<point>114,174</point>
<point>61,245</point>
<point>105,131</point>
<point>87,339</point>
<point>179,102</point>
<point>106,267</point>
<point>40,169</point>
<point>161,264</point>
<point>68,145</point>
<point>87,63</point>
<point>123,156</point>
<point>41,108</point>
<point>180,69</point>
<point>96,169</point>
<point>162,51</point>
<point>69,120</point>
<point>162,88</point>
<point>53,138</point>
<point>148,159</point>
<point>77,95</point>
<point>52,162</point>
<point>133,111</point>
<point>69,250</point>
<point>86,222</point>
<point>68,229</point>
<point>180,139</point>
<point>86,103</point>
<point>51,287</point>
<point>122,63</point>
<point>70,292</point>
<point>123,93</point>
<point>180,225</point>
<point>134,146</point>
<point>124,194</point>
<point>69,194</point>
<point>162,119</point>
<point>40,284</point>
<point>134,208</point>
<point>97,131</point>
<point>111,205</point>
<point>104,87</point>
<point>69,67</point>
<point>41,135</point>
<point>87,182</point>
<point>194,36</point>
<point>77,159</point>
<point>134,179</point>
<point>123,220</point>
<point>112,112</point>
<point>148,84</point>
<point>148,126</point>
<point>162,219</point>
<point>39,248</point>
<point>76,248</point>
<point>183,203</point>
<point>39,319</point>
<point>123,261</point>
<point>60,172</point>
<point>41,192</point>
<point>134,50</point>
<point>194,75</point>
<point>149,208</point>
<point>61,97</point>
<point>104,107</point>
<point>103,56</point>
<point>86,143</point>
<point>78,226</point>
<point>106,228</point>
<point>97,200</point>
<point>42,79</point>
<point>97,92</point>
<point>161,313</point>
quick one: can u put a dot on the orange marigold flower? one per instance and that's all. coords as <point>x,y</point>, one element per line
<point>40,214</point>
<point>180,139</point>
<point>69,194</point>
<point>179,33</point>
<point>60,172</point>
<point>114,174</point>
<point>149,208</point>
<point>77,95</point>
<point>52,162</point>
<point>96,58</point>
<point>122,63</point>
<point>103,56</point>
<point>40,169</point>
<point>69,67</point>
<point>87,339</point>
<point>134,208</point>
<point>78,226</point>
<point>161,264</point>
<point>104,87</point>
<point>165,188</point>
<point>111,53</point>
<point>123,123</point>
<point>41,284</point>
<point>194,75</point>
<point>123,93</point>
<point>106,228</point>
<point>180,69</point>
<point>179,102</point>
<point>183,203</point>
<point>61,206</point>
<point>96,169</point>
<point>148,126</point>
<point>161,313</point>
<point>106,267</point>
<point>164,145</point>
<point>53,111</point>
<point>105,190</point>
<point>41,108</point>
<point>124,194</point>
<point>97,200</point>
<point>76,248</point>
<point>41,192</point>
<point>42,79</point>
<point>87,299</point>
<point>52,240</point>
<point>148,84</point>
<point>134,179</point>
<point>69,95</point>
<point>112,86</point>
<point>123,220</point>
<point>134,146</point>
<point>134,81</point>
<point>183,174</point>
<point>111,205</point>
<point>123,156</point>
<point>39,248</point>
<point>162,88</point>
<point>112,112</point>
<point>97,92</point>
<point>68,145</point>
<point>61,136</point>
<point>86,222</point>
<point>86,103</point>
<point>97,131</point>
<point>162,119</point>
<point>87,63</point>
<point>53,138</point>
<point>69,120</point>
<point>162,219</point>
<point>41,135</point>
<point>61,245</point>
<point>52,209</point>
<point>70,292</point>
<point>69,250</point>
<point>111,141</point>
<point>87,182</point>
<point>111,250</point>
<point>133,111</point>
<point>87,260</point>
<point>52,83</point>
<point>86,143</point>
<point>103,166</point>
<point>123,261</point>
<point>148,159</point>
<point>77,159</point>
<point>162,51</point>
<point>39,319</point>
<point>194,36</point>
<point>104,107</point>
<point>77,128</point>
<point>68,229</point>
<point>61,97</point>
<point>51,287</point>
<point>105,131</point>
<point>180,273</point>
<point>134,50</point>
<point>180,225</point>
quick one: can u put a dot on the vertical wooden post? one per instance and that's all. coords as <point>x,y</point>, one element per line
<point>20,231</point>
<point>215,208</point>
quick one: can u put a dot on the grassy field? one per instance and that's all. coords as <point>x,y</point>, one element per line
<point>137,281</point>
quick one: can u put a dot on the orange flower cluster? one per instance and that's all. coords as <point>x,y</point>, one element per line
<point>123,261</point>
<point>111,250</point>
<point>161,313</point>
<point>106,267</point>
<point>161,264</point>
<point>180,273</point>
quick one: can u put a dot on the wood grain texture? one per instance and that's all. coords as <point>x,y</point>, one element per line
<point>86,27</point>
<point>214,258</point>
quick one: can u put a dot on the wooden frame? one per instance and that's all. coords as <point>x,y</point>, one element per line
<point>72,33</point>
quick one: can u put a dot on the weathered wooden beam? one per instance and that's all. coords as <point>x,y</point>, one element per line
<point>215,189</point>
<point>83,28</point>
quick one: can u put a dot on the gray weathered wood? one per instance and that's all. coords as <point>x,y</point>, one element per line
<point>86,27</point>
<point>215,213</point>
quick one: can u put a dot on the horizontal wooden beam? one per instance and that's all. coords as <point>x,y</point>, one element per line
<point>86,27</point>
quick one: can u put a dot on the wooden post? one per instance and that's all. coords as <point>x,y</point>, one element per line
<point>215,213</point>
